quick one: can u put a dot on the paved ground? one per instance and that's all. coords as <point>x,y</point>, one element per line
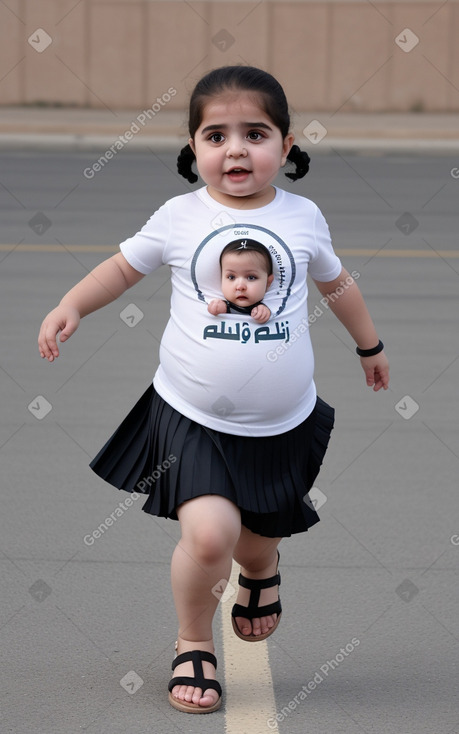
<point>83,129</point>
<point>369,636</point>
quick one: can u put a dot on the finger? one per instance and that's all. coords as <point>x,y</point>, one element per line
<point>47,345</point>
<point>70,327</point>
<point>49,340</point>
<point>370,377</point>
<point>381,380</point>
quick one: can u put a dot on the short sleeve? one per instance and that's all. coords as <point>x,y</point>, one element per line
<point>144,251</point>
<point>325,265</point>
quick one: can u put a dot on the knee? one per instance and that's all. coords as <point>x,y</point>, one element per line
<point>211,527</point>
<point>212,545</point>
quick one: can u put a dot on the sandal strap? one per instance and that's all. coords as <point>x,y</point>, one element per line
<point>198,681</point>
<point>253,610</point>
<point>259,583</point>
<point>195,656</point>
<point>255,586</point>
<point>204,683</point>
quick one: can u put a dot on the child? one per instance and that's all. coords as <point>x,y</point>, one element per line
<point>233,465</point>
<point>247,273</point>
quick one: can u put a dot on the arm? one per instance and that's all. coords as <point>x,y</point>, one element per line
<point>103,285</point>
<point>346,302</point>
<point>261,313</point>
<point>217,306</point>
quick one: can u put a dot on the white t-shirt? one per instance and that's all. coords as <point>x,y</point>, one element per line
<point>229,372</point>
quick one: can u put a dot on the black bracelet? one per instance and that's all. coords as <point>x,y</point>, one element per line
<point>370,352</point>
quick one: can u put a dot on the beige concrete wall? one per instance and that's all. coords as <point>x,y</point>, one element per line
<point>330,55</point>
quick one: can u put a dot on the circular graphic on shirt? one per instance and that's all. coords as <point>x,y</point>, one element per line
<point>206,270</point>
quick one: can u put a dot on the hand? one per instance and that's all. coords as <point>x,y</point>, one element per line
<point>216,307</point>
<point>376,370</point>
<point>261,313</point>
<point>64,319</point>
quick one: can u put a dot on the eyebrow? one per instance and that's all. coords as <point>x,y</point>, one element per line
<point>248,271</point>
<point>263,125</point>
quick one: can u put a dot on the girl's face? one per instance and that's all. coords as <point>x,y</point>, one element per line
<point>239,150</point>
<point>244,277</point>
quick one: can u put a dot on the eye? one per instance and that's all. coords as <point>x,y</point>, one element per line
<point>216,137</point>
<point>254,135</point>
<point>252,277</point>
<point>230,277</point>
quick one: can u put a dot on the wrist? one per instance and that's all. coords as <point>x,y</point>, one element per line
<point>370,352</point>
<point>71,306</point>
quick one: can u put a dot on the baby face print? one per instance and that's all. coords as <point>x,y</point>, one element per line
<point>244,277</point>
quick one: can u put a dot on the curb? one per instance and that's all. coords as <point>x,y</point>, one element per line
<point>100,143</point>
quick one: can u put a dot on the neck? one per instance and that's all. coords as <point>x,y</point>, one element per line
<point>254,201</point>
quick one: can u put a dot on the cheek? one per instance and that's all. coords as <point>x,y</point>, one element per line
<point>270,161</point>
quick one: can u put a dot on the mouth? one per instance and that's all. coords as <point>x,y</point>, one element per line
<point>237,173</point>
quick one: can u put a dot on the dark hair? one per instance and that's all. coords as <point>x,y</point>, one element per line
<point>240,246</point>
<point>249,79</point>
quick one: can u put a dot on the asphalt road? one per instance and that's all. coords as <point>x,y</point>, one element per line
<point>369,638</point>
<point>362,196</point>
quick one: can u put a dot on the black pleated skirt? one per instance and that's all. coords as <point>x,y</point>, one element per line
<point>172,459</point>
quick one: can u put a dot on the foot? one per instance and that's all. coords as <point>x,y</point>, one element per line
<point>191,694</point>
<point>258,625</point>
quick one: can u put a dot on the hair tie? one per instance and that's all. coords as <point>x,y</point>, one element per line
<point>301,160</point>
<point>185,161</point>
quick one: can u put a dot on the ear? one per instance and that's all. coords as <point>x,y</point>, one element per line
<point>269,281</point>
<point>286,146</point>
<point>191,144</point>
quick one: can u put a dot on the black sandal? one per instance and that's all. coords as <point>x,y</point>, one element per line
<point>253,610</point>
<point>196,657</point>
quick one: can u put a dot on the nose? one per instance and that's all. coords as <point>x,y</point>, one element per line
<point>240,284</point>
<point>236,147</point>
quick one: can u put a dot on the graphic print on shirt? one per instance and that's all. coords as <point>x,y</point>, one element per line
<point>206,277</point>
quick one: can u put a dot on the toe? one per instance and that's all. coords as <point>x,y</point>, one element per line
<point>179,692</point>
<point>267,623</point>
<point>257,626</point>
<point>190,694</point>
<point>244,626</point>
<point>264,625</point>
<point>209,698</point>
<point>194,695</point>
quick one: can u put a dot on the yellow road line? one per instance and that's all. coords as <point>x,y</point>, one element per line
<point>249,694</point>
<point>342,252</point>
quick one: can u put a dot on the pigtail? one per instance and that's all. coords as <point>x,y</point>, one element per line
<point>185,162</point>
<point>301,160</point>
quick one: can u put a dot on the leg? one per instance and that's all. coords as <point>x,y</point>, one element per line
<point>258,559</point>
<point>210,526</point>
